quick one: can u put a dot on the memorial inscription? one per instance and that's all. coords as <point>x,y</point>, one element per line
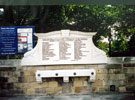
<point>64,47</point>
<point>68,49</point>
<point>79,48</point>
<point>47,51</point>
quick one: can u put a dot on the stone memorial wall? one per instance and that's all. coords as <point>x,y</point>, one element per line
<point>64,51</point>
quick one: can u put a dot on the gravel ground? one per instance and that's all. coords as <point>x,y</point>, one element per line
<point>95,96</point>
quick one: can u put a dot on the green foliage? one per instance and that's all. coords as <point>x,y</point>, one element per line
<point>103,46</point>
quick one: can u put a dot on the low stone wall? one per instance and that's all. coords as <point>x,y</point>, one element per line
<point>116,76</point>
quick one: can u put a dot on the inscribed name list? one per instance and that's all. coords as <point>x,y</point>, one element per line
<point>65,49</point>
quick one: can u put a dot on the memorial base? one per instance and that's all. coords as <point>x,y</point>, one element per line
<point>109,78</point>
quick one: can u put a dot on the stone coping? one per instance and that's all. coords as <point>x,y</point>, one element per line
<point>125,61</point>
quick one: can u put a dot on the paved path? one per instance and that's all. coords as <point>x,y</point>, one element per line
<point>75,97</point>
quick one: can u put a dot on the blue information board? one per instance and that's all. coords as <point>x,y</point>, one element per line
<point>8,40</point>
<point>16,39</point>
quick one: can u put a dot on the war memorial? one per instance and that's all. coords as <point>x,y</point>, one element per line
<point>66,62</point>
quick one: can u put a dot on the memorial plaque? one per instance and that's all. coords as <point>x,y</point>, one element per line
<point>64,47</point>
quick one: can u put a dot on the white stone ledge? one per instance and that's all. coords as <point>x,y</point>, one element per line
<point>110,60</point>
<point>91,73</point>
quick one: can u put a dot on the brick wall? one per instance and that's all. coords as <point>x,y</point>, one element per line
<point>116,76</point>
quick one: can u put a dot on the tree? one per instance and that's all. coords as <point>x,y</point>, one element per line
<point>124,44</point>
